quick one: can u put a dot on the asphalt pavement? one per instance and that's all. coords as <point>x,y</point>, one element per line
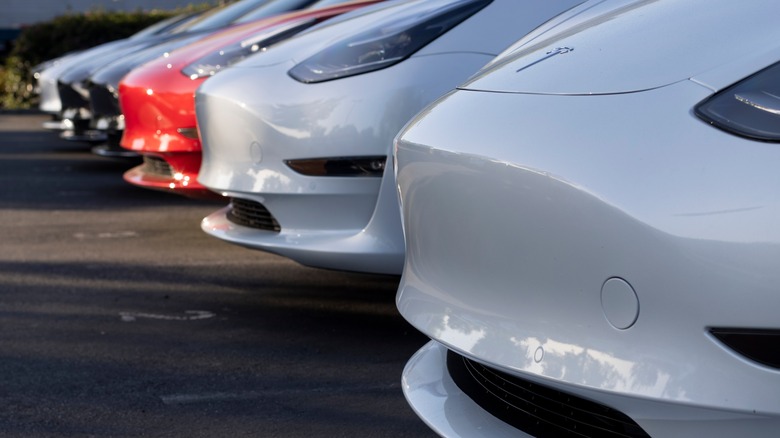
<point>120,317</point>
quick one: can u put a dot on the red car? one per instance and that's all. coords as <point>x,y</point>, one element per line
<point>157,99</point>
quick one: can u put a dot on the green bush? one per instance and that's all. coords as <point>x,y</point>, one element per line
<point>48,40</point>
<point>16,84</point>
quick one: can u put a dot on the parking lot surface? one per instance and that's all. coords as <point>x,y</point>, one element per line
<point>120,317</point>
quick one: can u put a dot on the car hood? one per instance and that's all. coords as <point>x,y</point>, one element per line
<point>111,73</point>
<point>88,65</point>
<point>603,47</point>
<point>223,39</point>
<point>458,39</point>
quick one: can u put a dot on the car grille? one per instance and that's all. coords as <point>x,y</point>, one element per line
<point>251,214</point>
<point>157,166</point>
<point>538,410</point>
<point>69,97</point>
<point>103,101</point>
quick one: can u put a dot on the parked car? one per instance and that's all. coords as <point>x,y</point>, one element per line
<point>161,124</point>
<point>103,84</point>
<point>47,73</point>
<point>298,138</point>
<point>73,84</point>
<point>591,229</point>
<point>49,98</point>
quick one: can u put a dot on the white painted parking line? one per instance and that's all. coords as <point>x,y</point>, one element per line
<point>183,399</point>
<point>106,235</point>
<point>189,315</point>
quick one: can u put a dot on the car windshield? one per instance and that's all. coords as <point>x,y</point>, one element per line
<point>275,7</point>
<point>170,25</point>
<point>221,17</point>
<point>324,3</point>
<point>364,10</point>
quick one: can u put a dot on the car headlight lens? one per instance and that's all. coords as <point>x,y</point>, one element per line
<point>212,64</point>
<point>387,43</point>
<point>750,108</point>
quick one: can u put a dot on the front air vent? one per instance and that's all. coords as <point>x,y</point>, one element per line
<point>759,345</point>
<point>535,409</point>
<point>251,214</point>
<point>372,166</point>
<point>157,166</point>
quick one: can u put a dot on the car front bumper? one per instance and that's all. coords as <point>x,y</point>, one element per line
<point>599,250</point>
<point>254,121</point>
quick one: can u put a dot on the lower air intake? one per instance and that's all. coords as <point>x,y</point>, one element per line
<point>251,214</point>
<point>760,345</point>
<point>103,102</point>
<point>157,166</point>
<point>535,409</point>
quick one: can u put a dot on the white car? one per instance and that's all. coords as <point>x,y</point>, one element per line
<point>592,230</point>
<point>299,137</point>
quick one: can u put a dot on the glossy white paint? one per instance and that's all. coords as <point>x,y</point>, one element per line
<point>253,116</point>
<point>521,202</point>
<point>374,247</point>
<point>613,50</point>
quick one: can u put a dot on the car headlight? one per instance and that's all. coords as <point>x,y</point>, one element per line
<point>388,42</point>
<point>750,108</point>
<point>211,64</point>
